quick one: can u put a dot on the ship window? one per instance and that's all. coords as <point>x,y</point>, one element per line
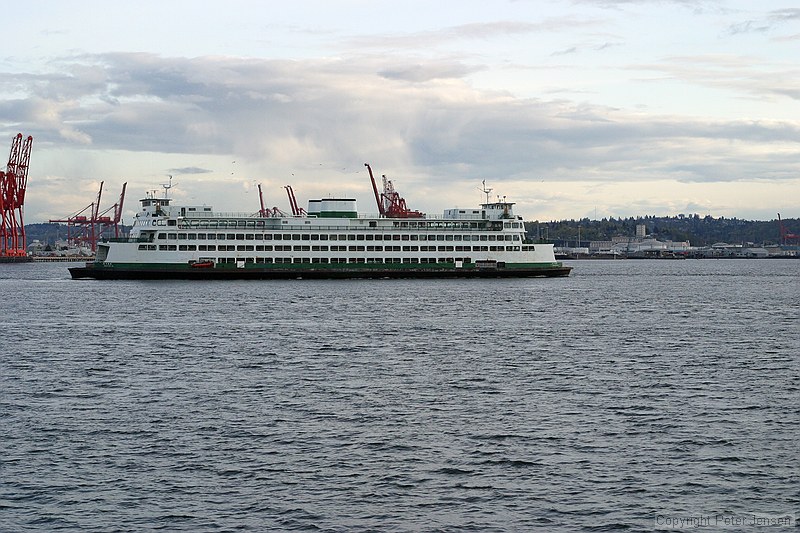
<point>240,236</point>
<point>181,236</point>
<point>323,237</point>
<point>268,236</point>
<point>172,222</point>
<point>351,237</point>
<point>162,235</point>
<point>258,236</point>
<point>249,237</point>
<point>360,237</point>
<point>314,237</point>
<point>306,236</point>
<point>296,237</point>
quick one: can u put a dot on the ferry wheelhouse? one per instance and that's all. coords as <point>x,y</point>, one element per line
<point>327,240</point>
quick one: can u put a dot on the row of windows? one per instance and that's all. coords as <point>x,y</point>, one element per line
<point>326,237</point>
<point>320,248</point>
<point>422,224</point>
<point>342,260</point>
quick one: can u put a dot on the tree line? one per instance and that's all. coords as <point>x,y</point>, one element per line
<point>699,231</point>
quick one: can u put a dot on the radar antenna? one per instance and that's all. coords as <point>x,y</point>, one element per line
<point>486,191</point>
<point>167,186</point>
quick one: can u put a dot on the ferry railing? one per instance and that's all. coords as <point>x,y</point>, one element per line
<point>127,239</point>
<point>277,224</point>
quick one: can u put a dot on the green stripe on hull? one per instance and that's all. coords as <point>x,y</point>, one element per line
<point>314,270</point>
<point>322,266</point>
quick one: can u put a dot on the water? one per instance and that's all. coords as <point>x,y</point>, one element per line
<point>597,402</point>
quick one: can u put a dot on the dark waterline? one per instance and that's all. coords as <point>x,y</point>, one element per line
<point>593,402</point>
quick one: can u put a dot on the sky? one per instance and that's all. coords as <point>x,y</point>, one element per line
<point>570,109</point>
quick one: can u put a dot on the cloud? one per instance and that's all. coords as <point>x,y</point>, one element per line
<point>324,118</point>
<point>189,170</point>
<point>747,76</point>
<point>473,31</point>
<point>428,71</point>
<point>769,22</point>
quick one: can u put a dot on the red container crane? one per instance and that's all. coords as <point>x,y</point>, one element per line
<point>97,225</point>
<point>13,183</point>
<point>390,203</point>
<point>787,239</point>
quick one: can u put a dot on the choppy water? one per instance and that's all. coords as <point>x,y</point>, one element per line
<point>593,403</point>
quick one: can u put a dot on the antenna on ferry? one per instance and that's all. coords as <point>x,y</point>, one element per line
<point>486,191</point>
<point>167,186</point>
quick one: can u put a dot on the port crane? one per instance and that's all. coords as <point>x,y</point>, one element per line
<point>267,212</point>
<point>13,183</point>
<point>787,239</point>
<point>390,203</point>
<point>93,224</point>
<point>296,209</point>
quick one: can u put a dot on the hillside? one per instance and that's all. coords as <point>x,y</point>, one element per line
<point>699,231</point>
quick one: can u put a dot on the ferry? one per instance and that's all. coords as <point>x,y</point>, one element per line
<point>329,239</point>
